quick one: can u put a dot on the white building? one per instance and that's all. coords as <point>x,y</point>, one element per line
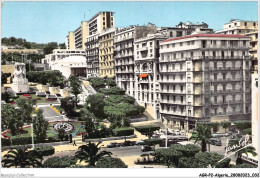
<point>146,68</point>
<point>204,76</point>
<point>69,62</point>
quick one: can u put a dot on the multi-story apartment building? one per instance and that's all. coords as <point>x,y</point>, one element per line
<point>247,28</point>
<point>204,76</point>
<point>106,53</point>
<point>124,54</point>
<point>254,50</point>
<point>101,21</point>
<point>239,27</point>
<point>92,55</point>
<point>146,68</point>
<point>77,38</point>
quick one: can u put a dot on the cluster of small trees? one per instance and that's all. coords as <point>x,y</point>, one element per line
<point>53,77</point>
<point>98,83</point>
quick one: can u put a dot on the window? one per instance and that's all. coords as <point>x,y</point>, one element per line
<point>173,87</point>
<point>174,98</point>
<point>181,66</point>
<point>181,44</point>
<point>173,66</point>
<point>181,88</point>
<point>245,23</point>
<point>192,43</point>
<point>224,76</point>
<point>173,45</point>
<point>168,45</point>
<point>151,43</point>
<point>181,99</point>
<point>181,110</point>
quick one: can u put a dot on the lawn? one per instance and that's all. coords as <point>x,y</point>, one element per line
<point>26,132</point>
<point>33,96</point>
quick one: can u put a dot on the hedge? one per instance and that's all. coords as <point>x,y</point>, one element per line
<point>188,150</point>
<point>5,142</point>
<point>123,131</point>
<point>110,162</point>
<point>60,162</point>
<point>45,150</point>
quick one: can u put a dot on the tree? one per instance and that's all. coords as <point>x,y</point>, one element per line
<point>96,104</point>
<point>188,150</point>
<point>147,130</point>
<point>11,118</point>
<point>225,124</point>
<point>90,153</point>
<point>87,116</point>
<point>21,158</point>
<point>112,91</point>
<point>204,160</point>
<point>110,162</point>
<point>61,133</point>
<point>242,124</point>
<point>49,47</point>
<point>203,134</point>
<point>153,142</point>
<point>26,108</point>
<point>247,131</point>
<point>6,96</point>
<point>245,150</point>
<point>75,86</point>
<point>62,46</point>
<point>110,82</point>
<point>4,77</point>
<point>68,104</point>
<point>40,127</point>
<point>168,156</point>
<point>124,131</point>
<point>97,82</point>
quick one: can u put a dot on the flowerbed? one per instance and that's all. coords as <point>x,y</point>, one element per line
<point>26,95</point>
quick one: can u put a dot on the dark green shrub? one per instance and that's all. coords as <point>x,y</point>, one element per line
<point>124,131</point>
<point>247,131</point>
<point>187,150</point>
<point>110,162</point>
<point>45,150</point>
<point>21,140</point>
<point>5,142</point>
<point>60,162</point>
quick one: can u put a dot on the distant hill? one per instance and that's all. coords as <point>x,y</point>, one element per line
<point>18,43</point>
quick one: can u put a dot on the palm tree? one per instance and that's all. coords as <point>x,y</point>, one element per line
<point>245,150</point>
<point>90,153</point>
<point>21,158</point>
<point>203,134</point>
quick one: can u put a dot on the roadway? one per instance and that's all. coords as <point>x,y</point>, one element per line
<point>50,115</point>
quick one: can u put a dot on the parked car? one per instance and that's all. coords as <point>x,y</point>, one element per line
<point>113,144</point>
<point>217,135</point>
<point>177,132</point>
<point>215,141</point>
<point>183,132</point>
<point>128,143</point>
<point>140,142</point>
<point>147,148</point>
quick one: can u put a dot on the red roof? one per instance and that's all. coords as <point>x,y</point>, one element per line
<point>143,75</point>
<point>206,35</point>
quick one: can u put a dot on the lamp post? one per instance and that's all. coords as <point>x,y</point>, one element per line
<point>166,138</point>
<point>32,136</point>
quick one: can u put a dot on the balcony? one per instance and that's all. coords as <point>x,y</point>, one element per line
<point>172,81</point>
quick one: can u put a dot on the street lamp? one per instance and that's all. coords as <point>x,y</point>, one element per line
<point>32,136</point>
<point>165,125</point>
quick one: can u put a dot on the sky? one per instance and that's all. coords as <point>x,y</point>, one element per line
<point>49,21</point>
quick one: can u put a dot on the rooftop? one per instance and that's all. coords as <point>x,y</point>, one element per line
<point>206,35</point>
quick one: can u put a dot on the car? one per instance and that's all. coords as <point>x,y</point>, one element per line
<point>215,141</point>
<point>147,148</point>
<point>183,132</point>
<point>113,144</point>
<point>140,142</point>
<point>177,132</point>
<point>128,143</point>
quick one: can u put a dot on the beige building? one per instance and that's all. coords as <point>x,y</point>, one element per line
<point>204,76</point>
<point>254,50</point>
<point>77,38</point>
<point>239,27</point>
<point>106,53</point>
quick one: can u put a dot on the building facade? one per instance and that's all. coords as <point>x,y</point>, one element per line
<point>254,50</point>
<point>124,54</point>
<point>92,55</point>
<point>204,76</point>
<point>100,22</point>
<point>239,27</point>
<point>146,68</point>
<point>106,53</point>
<point>77,38</point>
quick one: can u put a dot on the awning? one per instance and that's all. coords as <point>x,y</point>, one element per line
<point>143,75</point>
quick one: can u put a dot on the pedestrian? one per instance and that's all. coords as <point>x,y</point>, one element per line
<point>74,143</point>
